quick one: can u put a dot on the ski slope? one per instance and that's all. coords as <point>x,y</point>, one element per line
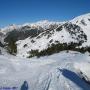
<point>55,72</point>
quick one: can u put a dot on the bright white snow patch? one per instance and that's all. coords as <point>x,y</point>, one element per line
<point>55,72</point>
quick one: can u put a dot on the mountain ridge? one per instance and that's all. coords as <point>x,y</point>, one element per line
<point>41,22</point>
<point>43,35</point>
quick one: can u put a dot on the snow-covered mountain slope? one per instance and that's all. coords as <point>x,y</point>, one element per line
<point>84,22</point>
<point>44,24</point>
<point>76,30</point>
<point>56,72</point>
<point>65,33</point>
<point>45,34</point>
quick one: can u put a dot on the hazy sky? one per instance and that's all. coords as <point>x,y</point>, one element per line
<point>21,11</point>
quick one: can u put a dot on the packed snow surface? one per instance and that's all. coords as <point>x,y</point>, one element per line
<point>55,72</point>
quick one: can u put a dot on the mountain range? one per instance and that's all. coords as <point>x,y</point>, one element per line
<point>46,37</point>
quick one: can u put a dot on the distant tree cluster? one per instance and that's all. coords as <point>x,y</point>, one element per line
<point>56,48</point>
<point>33,53</point>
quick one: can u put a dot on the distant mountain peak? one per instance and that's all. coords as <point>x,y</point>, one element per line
<point>82,18</point>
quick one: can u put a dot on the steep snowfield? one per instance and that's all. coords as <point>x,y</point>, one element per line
<point>56,72</point>
<point>47,38</point>
<point>68,32</point>
<point>84,22</point>
<point>42,43</point>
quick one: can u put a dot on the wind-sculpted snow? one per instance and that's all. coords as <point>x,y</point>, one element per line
<point>56,72</point>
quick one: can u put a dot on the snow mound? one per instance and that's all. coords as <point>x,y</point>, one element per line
<point>83,70</point>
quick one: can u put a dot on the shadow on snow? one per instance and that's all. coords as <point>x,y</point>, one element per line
<point>75,78</point>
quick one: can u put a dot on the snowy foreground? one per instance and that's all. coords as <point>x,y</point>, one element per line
<point>57,72</point>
